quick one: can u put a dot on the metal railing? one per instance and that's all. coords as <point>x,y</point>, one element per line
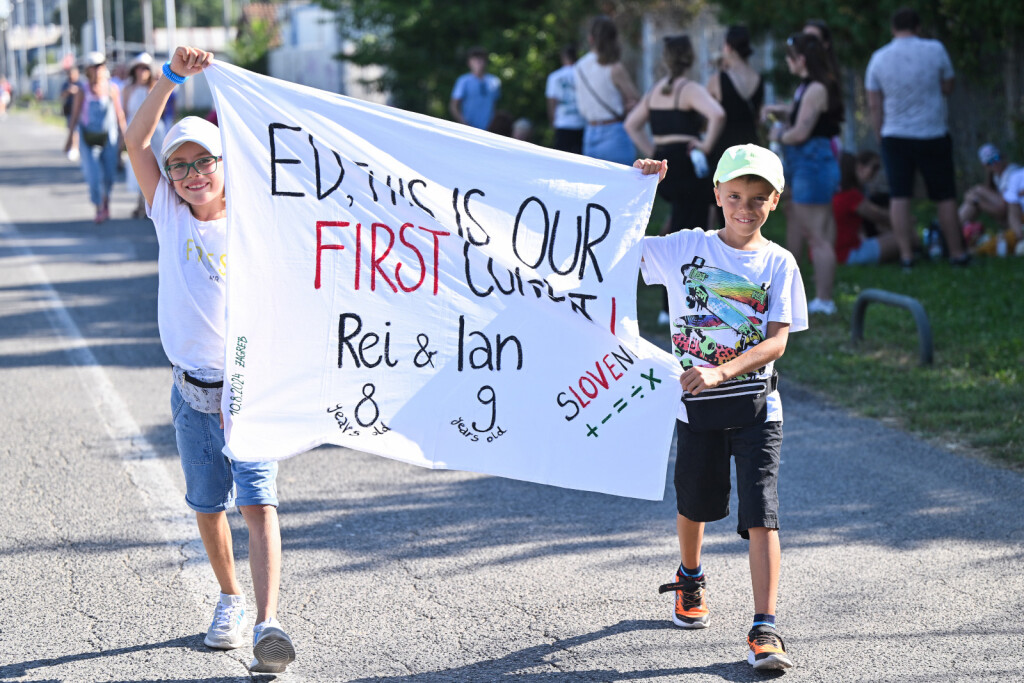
<point>924,328</point>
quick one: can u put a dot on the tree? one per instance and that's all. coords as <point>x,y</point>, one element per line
<point>251,50</point>
<point>983,38</point>
<point>189,13</point>
<point>971,31</point>
<point>423,44</point>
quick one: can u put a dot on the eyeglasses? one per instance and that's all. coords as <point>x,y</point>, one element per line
<point>203,166</point>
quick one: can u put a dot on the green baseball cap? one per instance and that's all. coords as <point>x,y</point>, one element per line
<point>744,160</point>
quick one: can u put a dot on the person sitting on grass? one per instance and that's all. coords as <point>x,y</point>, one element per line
<point>987,198</point>
<point>852,208</point>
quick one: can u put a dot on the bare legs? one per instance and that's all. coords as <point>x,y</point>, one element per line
<point>264,554</point>
<point>816,224</point>
<point>903,227</point>
<point>764,568</point>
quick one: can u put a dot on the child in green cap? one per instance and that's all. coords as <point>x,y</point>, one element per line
<point>734,297</point>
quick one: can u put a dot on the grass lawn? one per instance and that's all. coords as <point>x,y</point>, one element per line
<point>971,398</point>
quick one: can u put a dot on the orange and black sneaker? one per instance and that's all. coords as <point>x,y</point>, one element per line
<point>691,610</point>
<point>766,649</point>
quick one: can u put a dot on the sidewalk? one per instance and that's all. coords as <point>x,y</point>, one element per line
<point>901,562</point>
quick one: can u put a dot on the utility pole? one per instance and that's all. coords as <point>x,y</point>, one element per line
<point>5,26</point>
<point>147,27</point>
<point>119,29</point>
<point>99,30</point>
<point>23,84</point>
<point>65,29</point>
<point>41,51</point>
<point>172,27</point>
<point>227,23</point>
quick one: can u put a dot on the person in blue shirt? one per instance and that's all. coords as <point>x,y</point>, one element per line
<point>475,93</point>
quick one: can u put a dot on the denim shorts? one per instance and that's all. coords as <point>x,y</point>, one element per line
<point>702,478</point>
<point>214,482</point>
<point>609,142</point>
<point>812,172</point>
<point>867,254</point>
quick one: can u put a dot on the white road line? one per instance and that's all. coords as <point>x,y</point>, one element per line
<point>172,522</point>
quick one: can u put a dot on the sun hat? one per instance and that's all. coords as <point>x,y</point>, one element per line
<point>989,154</point>
<point>744,160</point>
<point>141,59</point>
<point>190,129</point>
<point>93,58</point>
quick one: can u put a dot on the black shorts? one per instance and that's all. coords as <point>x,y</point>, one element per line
<point>933,157</point>
<point>702,474</point>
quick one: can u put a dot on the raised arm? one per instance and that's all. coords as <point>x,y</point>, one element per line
<point>187,61</point>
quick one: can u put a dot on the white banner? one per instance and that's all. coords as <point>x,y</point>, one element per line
<point>433,293</point>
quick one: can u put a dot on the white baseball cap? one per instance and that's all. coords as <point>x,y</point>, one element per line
<point>141,59</point>
<point>190,129</point>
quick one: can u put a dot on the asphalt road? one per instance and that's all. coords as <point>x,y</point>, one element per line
<point>902,561</point>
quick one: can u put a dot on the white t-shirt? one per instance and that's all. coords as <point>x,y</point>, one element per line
<point>1014,192</point>
<point>909,72</point>
<point>720,299</point>
<point>1002,180</point>
<point>192,268</point>
<point>597,98</point>
<point>561,86</point>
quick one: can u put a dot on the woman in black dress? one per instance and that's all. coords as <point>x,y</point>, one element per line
<point>740,90</point>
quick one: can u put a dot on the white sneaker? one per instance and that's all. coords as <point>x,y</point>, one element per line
<point>271,647</point>
<point>820,306</point>
<point>228,622</point>
<point>663,318</point>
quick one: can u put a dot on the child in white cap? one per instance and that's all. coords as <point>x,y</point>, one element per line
<point>734,297</point>
<point>184,195</point>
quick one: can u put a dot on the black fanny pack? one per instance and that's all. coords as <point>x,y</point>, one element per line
<point>96,139</point>
<point>730,405</point>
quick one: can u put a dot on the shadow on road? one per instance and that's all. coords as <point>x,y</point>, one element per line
<point>516,665</point>
<point>193,642</point>
<point>116,314</point>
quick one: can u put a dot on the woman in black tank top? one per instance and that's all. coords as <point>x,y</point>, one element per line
<point>678,110</point>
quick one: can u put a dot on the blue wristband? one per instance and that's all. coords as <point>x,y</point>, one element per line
<point>175,78</point>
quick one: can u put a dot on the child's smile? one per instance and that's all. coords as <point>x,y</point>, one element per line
<point>204,192</point>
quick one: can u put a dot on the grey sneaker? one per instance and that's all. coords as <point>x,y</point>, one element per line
<point>225,632</point>
<point>271,647</point>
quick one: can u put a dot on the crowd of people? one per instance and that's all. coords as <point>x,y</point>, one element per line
<point>97,105</point>
<point>834,210</point>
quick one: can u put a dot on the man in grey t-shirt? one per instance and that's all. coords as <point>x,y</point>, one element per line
<point>907,82</point>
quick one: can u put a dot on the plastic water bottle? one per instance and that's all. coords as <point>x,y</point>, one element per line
<point>775,145</point>
<point>1001,247</point>
<point>700,163</point>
